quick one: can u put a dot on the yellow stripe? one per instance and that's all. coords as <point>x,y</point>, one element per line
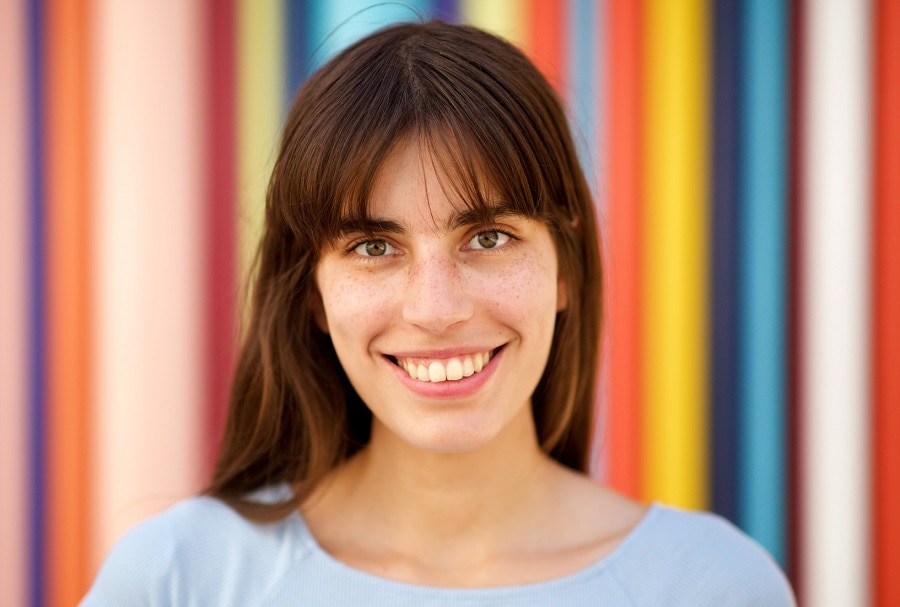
<point>675,416</point>
<point>506,18</point>
<point>259,108</point>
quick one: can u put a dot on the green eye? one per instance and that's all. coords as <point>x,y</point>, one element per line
<point>489,240</point>
<point>373,248</point>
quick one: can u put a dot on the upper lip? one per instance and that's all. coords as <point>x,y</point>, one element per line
<point>442,353</point>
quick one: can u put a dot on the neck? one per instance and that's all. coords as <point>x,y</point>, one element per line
<point>475,501</point>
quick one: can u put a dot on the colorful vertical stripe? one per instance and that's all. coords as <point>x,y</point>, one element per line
<point>37,305</point>
<point>67,427</point>
<point>260,96</point>
<point>725,250</point>
<point>835,554</point>
<point>796,294</point>
<point>147,176</point>
<point>884,326</point>
<point>220,256</point>
<point>675,246</point>
<point>15,114</point>
<point>621,424</point>
<point>763,237</point>
<point>743,165</point>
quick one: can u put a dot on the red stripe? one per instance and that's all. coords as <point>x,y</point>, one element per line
<point>795,298</point>
<point>545,40</point>
<point>623,273</point>
<point>886,303</point>
<point>220,290</point>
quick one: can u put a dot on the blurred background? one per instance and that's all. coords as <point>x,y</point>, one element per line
<point>744,157</point>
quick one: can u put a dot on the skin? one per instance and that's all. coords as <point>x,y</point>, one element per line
<point>452,489</point>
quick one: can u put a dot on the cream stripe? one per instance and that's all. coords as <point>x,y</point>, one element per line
<point>147,253</point>
<point>506,18</point>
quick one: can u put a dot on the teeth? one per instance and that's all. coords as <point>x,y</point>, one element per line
<point>468,367</point>
<point>454,369</point>
<point>437,372</point>
<point>445,370</point>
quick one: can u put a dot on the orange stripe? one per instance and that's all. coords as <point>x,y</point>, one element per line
<point>886,322</point>
<point>67,307</point>
<point>622,428</point>
<point>544,43</point>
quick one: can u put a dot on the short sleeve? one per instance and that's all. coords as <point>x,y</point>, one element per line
<point>139,571</point>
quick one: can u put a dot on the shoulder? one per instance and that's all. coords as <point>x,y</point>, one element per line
<point>199,549</point>
<point>697,558</point>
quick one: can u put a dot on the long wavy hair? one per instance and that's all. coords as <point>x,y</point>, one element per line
<point>498,132</point>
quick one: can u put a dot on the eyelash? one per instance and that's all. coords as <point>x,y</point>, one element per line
<point>372,258</point>
<point>499,230</point>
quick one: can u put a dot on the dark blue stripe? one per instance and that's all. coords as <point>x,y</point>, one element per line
<point>36,296</point>
<point>725,242</point>
<point>446,10</point>
<point>297,63</point>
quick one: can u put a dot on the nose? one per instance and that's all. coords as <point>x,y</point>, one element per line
<point>437,297</point>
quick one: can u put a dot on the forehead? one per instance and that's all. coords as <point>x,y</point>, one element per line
<point>417,185</point>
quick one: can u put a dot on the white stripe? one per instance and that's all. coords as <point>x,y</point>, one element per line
<point>835,349</point>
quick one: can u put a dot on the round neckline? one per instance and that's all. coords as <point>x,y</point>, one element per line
<point>312,548</point>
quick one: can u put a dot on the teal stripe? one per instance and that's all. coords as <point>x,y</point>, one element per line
<point>763,274</point>
<point>336,24</point>
<point>583,93</point>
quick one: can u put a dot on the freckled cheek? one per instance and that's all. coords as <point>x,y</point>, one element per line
<point>356,304</point>
<point>523,292</point>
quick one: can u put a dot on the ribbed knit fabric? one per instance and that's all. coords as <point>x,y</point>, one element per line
<point>200,553</point>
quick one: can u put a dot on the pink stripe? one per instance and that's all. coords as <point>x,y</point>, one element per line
<point>13,312</point>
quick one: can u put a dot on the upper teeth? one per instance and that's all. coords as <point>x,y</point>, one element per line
<point>450,369</point>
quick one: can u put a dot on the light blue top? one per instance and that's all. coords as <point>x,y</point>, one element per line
<point>201,552</point>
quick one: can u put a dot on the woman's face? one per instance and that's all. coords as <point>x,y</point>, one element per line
<point>443,326</point>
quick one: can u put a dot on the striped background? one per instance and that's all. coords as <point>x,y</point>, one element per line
<point>746,161</point>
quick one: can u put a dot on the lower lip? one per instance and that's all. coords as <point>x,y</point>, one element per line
<point>449,389</point>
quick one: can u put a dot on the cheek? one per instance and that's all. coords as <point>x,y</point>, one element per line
<point>353,303</point>
<point>524,292</point>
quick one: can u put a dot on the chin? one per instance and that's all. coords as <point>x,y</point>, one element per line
<point>452,440</point>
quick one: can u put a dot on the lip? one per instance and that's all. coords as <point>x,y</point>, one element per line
<point>444,352</point>
<point>447,389</point>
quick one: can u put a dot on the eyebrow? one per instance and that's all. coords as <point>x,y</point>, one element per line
<point>483,216</point>
<point>351,225</point>
<point>466,217</point>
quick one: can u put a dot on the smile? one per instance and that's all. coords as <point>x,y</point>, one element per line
<point>449,369</point>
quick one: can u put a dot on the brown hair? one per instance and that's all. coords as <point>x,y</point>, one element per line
<point>498,132</point>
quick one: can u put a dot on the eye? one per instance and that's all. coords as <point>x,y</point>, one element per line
<point>489,239</point>
<point>374,248</point>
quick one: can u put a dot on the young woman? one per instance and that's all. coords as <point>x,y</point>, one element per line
<point>411,414</point>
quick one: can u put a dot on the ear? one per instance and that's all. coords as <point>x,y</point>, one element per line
<point>318,310</point>
<point>562,294</point>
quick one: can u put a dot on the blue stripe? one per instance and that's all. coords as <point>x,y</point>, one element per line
<point>582,18</point>
<point>725,244</point>
<point>336,24</point>
<point>37,378</point>
<point>763,274</point>
<point>296,21</point>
